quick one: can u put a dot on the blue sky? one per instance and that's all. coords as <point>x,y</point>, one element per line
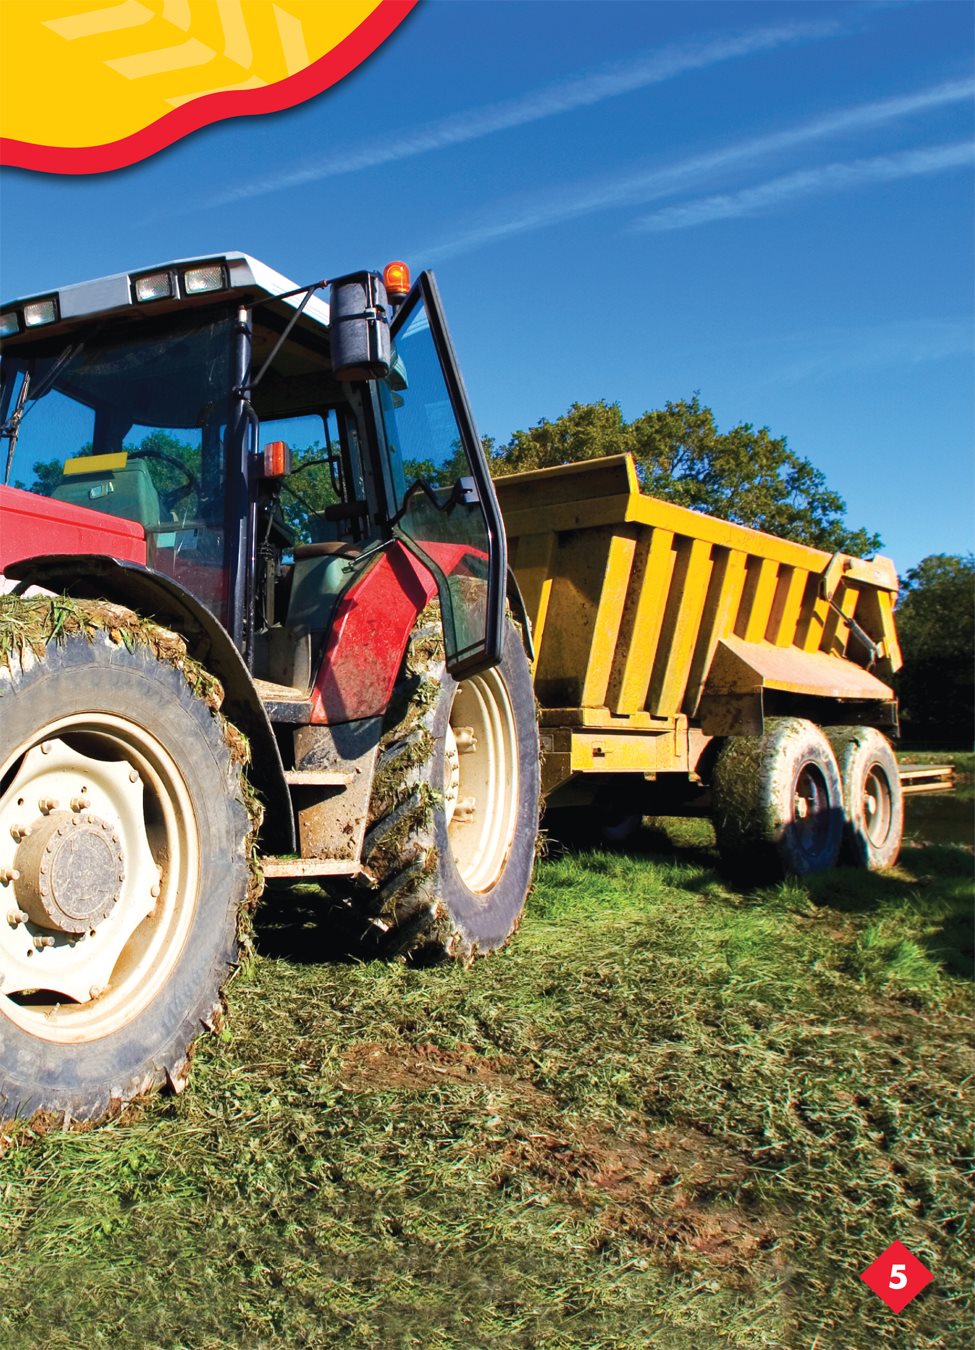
<point>768,203</point>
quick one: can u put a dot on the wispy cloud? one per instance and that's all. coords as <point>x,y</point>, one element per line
<point>823,355</point>
<point>552,101</point>
<point>666,181</point>
<point>808,182</point>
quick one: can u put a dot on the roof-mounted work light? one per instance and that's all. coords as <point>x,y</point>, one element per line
<point>9,323</point>
<point>40,312</point>
<point>199,279</point>
<point>155,286</point>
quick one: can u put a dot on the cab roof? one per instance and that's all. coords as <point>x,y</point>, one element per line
<point>244,278</point>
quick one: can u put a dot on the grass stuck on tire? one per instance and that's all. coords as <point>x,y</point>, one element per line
<point>450,843</point>
<point>126,842</point>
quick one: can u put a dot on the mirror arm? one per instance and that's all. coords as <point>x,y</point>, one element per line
<point>300,309</point>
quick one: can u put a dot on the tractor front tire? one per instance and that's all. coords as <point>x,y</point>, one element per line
<point>778,803</point>
<point>124,844</point>
<point>872,800</point>
<point>450,844</point>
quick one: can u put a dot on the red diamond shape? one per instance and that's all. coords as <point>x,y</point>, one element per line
<point>896,1276</point>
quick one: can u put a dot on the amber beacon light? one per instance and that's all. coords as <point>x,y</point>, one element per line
<point>396,279</point>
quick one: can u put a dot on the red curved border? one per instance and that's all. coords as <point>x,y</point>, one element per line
<point>209,108</point>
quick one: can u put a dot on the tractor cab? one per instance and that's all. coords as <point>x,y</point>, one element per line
<point>270,446</point>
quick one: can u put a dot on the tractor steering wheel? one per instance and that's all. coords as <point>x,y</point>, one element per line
<point>173,496</point>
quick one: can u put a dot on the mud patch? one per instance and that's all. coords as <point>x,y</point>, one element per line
<point>374,1067</point>
<point>672,1190</point>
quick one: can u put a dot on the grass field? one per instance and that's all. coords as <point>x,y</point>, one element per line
<point>668,1114</point>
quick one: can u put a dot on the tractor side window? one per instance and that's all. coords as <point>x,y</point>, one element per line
<point>185,529</point>
<point>323,476</point>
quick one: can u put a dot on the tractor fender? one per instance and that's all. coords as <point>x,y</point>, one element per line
<point>96,577</point>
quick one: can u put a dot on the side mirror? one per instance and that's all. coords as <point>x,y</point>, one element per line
<point>359,325</point>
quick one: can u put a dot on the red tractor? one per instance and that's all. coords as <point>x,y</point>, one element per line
<point>220,488</point>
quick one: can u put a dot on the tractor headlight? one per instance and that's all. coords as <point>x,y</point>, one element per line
<point>199,279</point>
<point>9,323</point>
<point>40,311</point>
<point>155,286</point>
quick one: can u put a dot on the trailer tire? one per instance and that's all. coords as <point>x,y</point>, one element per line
<point>873,803</point>
<point>450,843</point>
<point>159,813</point>
<point>778,804</point>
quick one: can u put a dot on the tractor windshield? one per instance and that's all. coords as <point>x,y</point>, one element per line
<point>133,423</point>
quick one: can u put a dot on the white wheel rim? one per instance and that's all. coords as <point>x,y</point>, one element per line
<point>481,780</point>
<point>72,988</point>
<point>878,805</point>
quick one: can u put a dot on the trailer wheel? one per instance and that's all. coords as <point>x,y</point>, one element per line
<point>872,800</point>
<point>123,863</point>
<point>778,804</point>
<point>450,844</point>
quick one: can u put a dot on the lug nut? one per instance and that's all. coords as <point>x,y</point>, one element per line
<point>20,832</point>
<point>465,739</point>
<point>133,776</point>
<point>8,874</point>
<point>464,810</point>
<point>78,803</point>
<point>48,804</point>
<point>46,748</point>
<point>17,916</point>
<point>41,942</point>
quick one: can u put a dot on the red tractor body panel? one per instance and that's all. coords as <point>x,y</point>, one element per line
<point>368,638</point>
<point>31,525</point>
<point>371,628</point>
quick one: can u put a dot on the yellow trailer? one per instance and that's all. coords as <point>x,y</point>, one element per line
<point>687,663</point>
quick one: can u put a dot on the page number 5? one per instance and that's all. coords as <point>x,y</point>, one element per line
<point>897,1277</point>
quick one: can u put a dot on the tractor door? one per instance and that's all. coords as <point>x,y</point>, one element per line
<point>447,514</point>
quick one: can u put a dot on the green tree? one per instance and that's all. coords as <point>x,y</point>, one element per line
<point>745,475</point>
<point>47,475</point>
<point>936,627</point>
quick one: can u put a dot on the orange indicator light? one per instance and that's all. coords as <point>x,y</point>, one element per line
<point>277,459</point>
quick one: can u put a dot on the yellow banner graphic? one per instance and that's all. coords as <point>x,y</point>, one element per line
<point>92,86</point>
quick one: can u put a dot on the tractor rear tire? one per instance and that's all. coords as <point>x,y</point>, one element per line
<point>451,838</point>
<point>778,803</point>
<point>872,800</point>
<point>124,844</point>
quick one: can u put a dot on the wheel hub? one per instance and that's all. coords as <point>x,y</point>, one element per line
<point>71,870</point>
<point>77,873</point>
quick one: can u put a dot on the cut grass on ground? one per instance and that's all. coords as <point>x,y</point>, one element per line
<point>668,1114</point>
